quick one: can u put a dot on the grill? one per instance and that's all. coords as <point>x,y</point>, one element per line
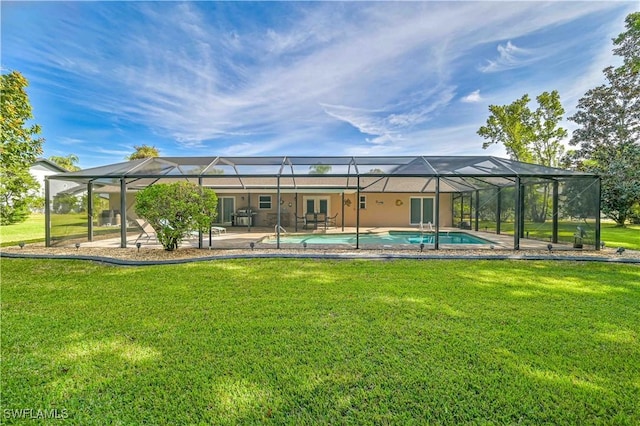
<point>243,217</point>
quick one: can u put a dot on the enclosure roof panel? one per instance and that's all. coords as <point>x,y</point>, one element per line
<point>327,171</point>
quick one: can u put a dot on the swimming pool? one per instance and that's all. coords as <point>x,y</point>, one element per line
<point>390,238</point>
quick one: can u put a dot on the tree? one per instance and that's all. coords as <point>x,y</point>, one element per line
<point>174,210</point>
<point>144,151</point>
<point>319,169</point>
<point>68,162</point>
<point>531,137</point>
<point>19,150</point>
<point>609,132</point>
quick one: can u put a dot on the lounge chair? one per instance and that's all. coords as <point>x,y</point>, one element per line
<point>146,228</point>
<point>219,230</point>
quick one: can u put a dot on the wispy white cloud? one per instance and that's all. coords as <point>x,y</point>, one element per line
<point>472,97</point>
<point>509,56</point>
<point>245,85</point>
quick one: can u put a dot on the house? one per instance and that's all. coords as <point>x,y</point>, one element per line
<point>400,191</point>
<point>43,168</point>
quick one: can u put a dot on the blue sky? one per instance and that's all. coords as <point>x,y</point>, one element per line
<point>296,78</point>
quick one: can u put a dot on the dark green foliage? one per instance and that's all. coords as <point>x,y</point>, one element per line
<point>67,162</point>
<point>19,150</point>
<point>66,203</point>
<point>608,138</point>
<point>174,210</point>
<point>143,151</point>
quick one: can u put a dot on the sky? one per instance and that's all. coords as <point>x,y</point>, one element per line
<point>296,78</point>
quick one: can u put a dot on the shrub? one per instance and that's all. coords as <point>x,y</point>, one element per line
<point>175,210</point>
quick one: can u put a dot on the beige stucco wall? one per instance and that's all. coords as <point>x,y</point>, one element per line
<point>392,209</point>
<point>382,209</point>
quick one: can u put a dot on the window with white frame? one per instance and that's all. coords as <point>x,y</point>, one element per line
<point>264,202</point>
<point>363,202</point>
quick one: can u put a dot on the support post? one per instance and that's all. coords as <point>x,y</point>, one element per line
<point>342,219</point>
<point>278,214</point>
<point>123,213</point>
<point>249,210</point>
<point>518,213</point>
<point>90,211</point>
<point>477,210</point>
<point>461,209</point>
<point>599,206</point>
<point>358,215</point>
<point>436,237</point>
<point>200,230</point>
<point>498,210</point>
<point>554,218</point>
<point>47,212</point>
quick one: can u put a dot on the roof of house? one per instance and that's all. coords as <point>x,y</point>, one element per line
<point>49,164</point>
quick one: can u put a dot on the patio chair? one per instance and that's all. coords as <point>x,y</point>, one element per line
<point>310,219</point>
<point>146,228</point>
<point>301,221</point>
<point>332,221</point>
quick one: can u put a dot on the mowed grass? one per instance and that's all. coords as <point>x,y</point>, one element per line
<point>323,342</point>
<point>33,231</point>
<point>29,231</point>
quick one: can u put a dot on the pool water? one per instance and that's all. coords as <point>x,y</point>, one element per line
<point>391,238</point>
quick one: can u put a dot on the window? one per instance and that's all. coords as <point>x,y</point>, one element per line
<point>363,202</point>
<point>264,201</point>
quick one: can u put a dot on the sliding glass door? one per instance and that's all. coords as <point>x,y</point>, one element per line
<point>422,210</point>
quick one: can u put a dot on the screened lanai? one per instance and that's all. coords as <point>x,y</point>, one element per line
<point>429,196</point>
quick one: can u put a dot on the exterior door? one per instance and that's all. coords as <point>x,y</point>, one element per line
<point>316,205</point>
<point>226,207</point>
<point>422,210</point>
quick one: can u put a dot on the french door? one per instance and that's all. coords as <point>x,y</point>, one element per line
<point>316,205</point>
<point>422,210</point>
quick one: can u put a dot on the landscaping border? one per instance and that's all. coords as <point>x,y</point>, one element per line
<point>328,256</point>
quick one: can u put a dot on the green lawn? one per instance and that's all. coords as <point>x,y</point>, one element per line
<point>64,226</point>
<point>323,342</point>
<point>29,231</point>
<point>33,231</point>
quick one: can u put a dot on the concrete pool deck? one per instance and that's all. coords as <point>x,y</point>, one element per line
<point>241,238</point>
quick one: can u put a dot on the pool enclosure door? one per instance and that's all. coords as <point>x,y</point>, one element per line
<point>422,210</point>
<point>226,207</point>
